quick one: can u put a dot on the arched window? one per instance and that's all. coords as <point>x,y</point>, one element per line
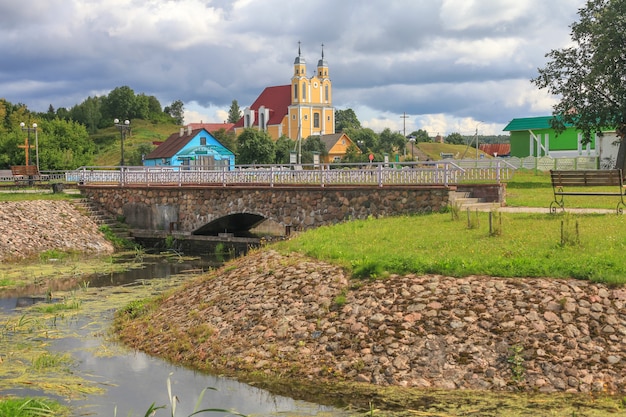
<point>262,121</point>
<point>303,91</point>
<point>326,93</point>
<point>247,120</point>
<point>295,91</point>
<point>316,120</point>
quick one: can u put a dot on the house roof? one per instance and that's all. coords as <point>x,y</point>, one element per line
<point>529,123</point>
<point>330,140</point>
<point>277,99</point>
<point>212,127</point>
<point>174,143</point>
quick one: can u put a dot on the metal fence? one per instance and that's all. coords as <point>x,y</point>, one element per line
<point>382,174</point>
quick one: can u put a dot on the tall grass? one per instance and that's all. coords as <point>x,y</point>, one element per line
<point>31,407</point>
<point>527,245</point>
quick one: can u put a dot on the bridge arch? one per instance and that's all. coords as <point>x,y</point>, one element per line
<point>236,223</point>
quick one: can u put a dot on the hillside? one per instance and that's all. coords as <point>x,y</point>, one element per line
<point>142,132</point>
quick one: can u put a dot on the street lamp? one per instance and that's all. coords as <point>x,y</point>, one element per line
<point>412,140</point>
<point>123,127</point>
<point>28,130</point>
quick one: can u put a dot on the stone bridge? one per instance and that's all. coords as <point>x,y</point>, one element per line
<point>211,210</point>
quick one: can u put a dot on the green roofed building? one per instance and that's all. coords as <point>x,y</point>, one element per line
<point>534,136</point>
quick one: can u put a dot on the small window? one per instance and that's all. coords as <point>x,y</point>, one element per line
<point>203,141</point>
<point>306,117</point>
<point>293,117</point>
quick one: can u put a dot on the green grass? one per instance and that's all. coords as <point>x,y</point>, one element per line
<point>31,407</point>
<point>528,245</point>
<point>10,195</point>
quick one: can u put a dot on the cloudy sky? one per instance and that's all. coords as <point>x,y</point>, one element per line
<point>448,65</point>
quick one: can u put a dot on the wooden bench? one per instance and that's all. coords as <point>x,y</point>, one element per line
<point>567,182</point>
<point>25,174</point>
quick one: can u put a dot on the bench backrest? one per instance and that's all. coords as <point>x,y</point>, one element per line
<point>589,178</point>
<point>24,170</point>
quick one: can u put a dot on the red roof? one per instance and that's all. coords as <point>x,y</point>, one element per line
<point>212,127</point>
<point>496,148</point>
<point>277,99</point>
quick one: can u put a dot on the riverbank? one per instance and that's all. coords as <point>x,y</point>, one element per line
<point>275,314</point>
<point>28,228</point>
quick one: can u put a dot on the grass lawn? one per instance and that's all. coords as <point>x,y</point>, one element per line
<point>589,247</point>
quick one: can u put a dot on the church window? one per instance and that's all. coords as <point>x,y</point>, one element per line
<point>316,120</point>
<point>303,91</point>
<point>326,92</point>
<point>295,91</point>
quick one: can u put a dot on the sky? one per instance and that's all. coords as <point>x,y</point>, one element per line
<point>443,66</point>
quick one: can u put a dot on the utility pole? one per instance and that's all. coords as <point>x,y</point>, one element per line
<point>404,116</point>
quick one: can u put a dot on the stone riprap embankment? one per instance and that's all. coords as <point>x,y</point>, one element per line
<point>28,228</point>
<point>290,315</point>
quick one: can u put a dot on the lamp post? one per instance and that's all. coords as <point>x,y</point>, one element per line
<point>28,130</point>
<point>123,127</point>
<point>412,140</point>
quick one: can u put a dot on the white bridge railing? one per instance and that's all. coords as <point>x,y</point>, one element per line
<point>380,174</point>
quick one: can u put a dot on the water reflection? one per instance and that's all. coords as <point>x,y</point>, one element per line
<point>132,380</point>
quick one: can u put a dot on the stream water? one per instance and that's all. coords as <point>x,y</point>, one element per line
<point>132,381</point>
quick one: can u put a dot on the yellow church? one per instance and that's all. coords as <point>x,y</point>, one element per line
<point>301,109</point>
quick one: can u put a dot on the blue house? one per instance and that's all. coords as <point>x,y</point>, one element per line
<point>191,148</point>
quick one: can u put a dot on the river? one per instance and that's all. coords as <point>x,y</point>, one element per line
<point>125,382</point>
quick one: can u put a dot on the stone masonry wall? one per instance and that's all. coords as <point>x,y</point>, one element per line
<point>301,207</point>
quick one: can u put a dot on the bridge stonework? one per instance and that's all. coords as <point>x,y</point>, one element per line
<point>301,207</point>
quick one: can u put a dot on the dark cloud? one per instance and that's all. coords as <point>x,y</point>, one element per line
<point>458,58</point>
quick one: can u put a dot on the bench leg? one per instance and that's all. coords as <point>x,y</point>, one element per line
<point>557,204</point>
<point>620,206</point>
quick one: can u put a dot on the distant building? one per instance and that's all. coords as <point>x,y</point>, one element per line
<point>336,145</point>
<point>191,148</point>
<point>298,110</point>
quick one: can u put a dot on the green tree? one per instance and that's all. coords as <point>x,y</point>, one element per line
<point>64,145</point>
<point>234,113</point>
<point>366,139</point>
<point>455,138</point>
<point>345,120</point>
<point>390,142</point>
<point>420,136</point>
<point>589,75</point>
<point>309,146</point>
<point>119,104</point>
<point>284,147</point>
<point>177,111</point>
<point>227,138</point>
<point>255,147</point>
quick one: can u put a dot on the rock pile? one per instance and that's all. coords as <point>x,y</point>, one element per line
<point>31,227</point>
<point>290,315</point>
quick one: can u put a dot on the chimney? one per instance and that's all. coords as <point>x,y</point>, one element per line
<point>182,132</point>
<point>189,130</point>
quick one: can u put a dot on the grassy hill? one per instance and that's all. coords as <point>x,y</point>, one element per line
<point>142,132</point>
<point>433,150</point>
